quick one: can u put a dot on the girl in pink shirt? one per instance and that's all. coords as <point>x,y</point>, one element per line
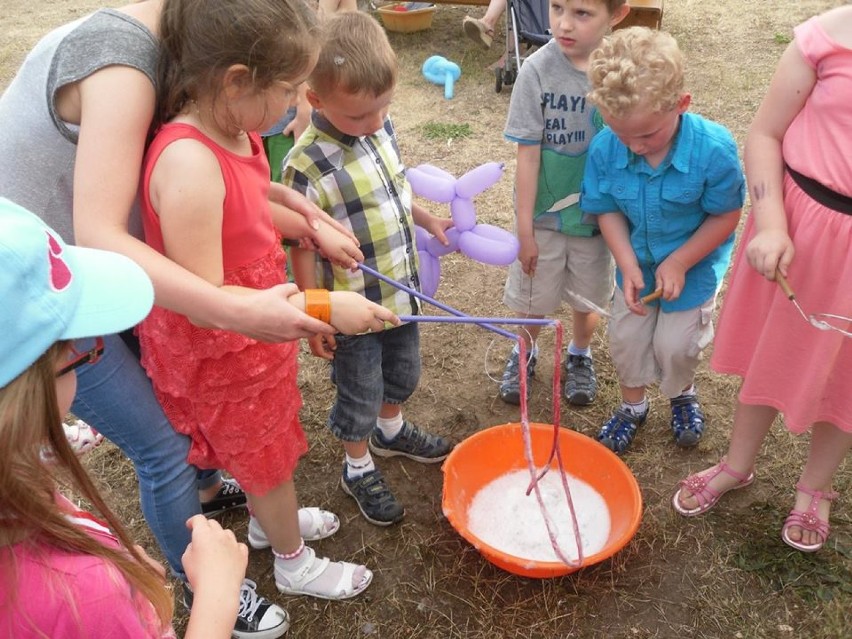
<point>63,572</point>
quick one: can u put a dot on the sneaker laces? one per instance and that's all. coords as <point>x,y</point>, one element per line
<point>417,437</point>
<point>250,601</point>
<point>229,488</point>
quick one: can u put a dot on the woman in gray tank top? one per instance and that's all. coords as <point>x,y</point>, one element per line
<point>73,127</point>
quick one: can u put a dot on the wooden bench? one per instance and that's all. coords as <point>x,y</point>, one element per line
<point>643,13</point>
<point>483,3</point>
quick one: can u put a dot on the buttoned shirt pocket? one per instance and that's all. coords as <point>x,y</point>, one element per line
<point>626,195</point>
<point>681,195</point>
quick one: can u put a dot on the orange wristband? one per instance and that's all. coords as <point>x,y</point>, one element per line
<point>318,304</point>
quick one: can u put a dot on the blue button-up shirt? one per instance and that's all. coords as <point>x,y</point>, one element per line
<point>700,176</point>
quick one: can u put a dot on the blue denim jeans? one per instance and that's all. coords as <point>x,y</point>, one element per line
<point>370,370</point>
<point>115,397</point>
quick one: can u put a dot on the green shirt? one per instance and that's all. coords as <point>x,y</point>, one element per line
<point>549,108</point>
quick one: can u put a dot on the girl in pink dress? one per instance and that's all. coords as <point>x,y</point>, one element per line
<point>799,168</point>
<point>209,206</point>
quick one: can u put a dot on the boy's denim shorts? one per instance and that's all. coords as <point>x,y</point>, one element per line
<point>369,370</point>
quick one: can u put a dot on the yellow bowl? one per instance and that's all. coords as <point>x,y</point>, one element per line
<point>490,453</point>
<point>408,21</point>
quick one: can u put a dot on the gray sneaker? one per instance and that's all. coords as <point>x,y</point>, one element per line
<point>510,386</point>
<point>411,442</point>
<point>581,384</point>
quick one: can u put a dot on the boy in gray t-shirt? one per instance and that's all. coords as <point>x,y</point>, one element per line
<point>562,255</point>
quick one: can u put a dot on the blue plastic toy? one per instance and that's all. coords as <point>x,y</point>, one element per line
<point>441,71</point>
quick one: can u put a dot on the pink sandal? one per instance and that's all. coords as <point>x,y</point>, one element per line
<point>808,520</point>
<point>706,496</point>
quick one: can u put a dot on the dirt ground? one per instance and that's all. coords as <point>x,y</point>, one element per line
<point>723,575</point>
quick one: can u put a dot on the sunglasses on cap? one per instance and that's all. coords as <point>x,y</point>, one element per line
<point>79,358</point>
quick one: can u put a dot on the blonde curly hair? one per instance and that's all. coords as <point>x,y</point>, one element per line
<point>636,66</point>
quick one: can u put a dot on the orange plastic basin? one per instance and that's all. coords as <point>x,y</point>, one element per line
<point>486,455</point>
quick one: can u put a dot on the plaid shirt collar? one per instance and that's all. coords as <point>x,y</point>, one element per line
<point>327,128</point>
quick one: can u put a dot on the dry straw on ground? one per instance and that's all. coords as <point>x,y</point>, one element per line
<point>723,575</point>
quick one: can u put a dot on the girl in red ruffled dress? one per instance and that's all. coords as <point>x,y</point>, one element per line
<point>208,205</point>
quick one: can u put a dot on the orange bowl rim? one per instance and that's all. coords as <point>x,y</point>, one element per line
<point>550,567</point>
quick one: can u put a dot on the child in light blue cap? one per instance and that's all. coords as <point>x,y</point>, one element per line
<point>63,572</point>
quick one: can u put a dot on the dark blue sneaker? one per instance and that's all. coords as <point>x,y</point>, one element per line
<point>618,433</point>
<point>687,420</point>
<point>581,383</point>
<point>411,442</point>
<point>374,498</point>
<point>510,386</point>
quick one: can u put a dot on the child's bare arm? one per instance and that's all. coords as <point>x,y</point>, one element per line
<point>526,185</point>
<point>303,114</point>
<point>335,245</point>
<point>303,263</point>
<point>298,203</point>
<point>790,88</point>
<point>671,274</point>
<point>435,225</point>
<point>616,233</point>
<point>350,312</point>
<point>187,192</point>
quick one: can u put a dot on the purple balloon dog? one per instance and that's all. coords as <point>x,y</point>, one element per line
<point>482,242</point>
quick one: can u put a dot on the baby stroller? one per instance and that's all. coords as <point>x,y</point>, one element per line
<point>527,26</point>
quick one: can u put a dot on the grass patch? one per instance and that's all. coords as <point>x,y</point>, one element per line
<point>783,38</point>
<point>445,131</point>
<point>822,576</point>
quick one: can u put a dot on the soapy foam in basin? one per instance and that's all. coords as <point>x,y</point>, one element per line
<point>506,518</point>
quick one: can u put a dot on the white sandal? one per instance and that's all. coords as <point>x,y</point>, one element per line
<point>298,582</point>
<point>323,524</point>
<point>82,437</point>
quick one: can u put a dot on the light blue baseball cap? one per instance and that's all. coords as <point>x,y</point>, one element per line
<point>50,291</point>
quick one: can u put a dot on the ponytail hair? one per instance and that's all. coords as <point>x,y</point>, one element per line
<point>200,39</point>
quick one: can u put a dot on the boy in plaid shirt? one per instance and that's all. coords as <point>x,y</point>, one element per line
<point>348,163</point>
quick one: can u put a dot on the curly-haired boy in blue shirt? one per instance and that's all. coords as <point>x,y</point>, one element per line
<point>667,188</point>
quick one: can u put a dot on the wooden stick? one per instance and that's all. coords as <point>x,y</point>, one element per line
<point>785,285</point>
<point>650,297</point>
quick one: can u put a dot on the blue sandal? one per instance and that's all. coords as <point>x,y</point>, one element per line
<point>687,420</point>
<point>618,433</point>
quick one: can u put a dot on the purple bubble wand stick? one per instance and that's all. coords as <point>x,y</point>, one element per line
<point>489,324</point>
